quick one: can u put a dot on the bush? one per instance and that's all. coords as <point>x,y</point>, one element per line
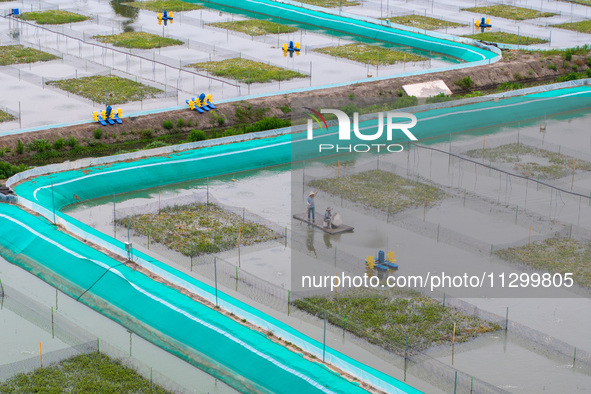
<point>40,145</point>
<point>155,144</point>
<point>439,98</point>
<point>572,76</point>
<point>180,123</point>
<point>167,124</point>
<point>58,144</point>
<point>20,147</point>
<point>552,66</point>
<point>350,109</point>
<point>568,55</point>
<point>72,141</point>
<point>7,170</point>
<point>98,134</point>
<point>406,101</point>
<point>196,135</point>
<point>147,134</point>
<point>509,86</point>
<point>465,83</point>
<point>220,118</point>
<point>400,92</point>
<point>261,125</point>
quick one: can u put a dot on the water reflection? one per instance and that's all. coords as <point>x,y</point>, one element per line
<point>131,13</point>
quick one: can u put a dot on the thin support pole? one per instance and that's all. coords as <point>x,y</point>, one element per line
<point>53,202</point>
<point>324,341</point>
<point>575,357</point>
<point>453,345</point>
<point>215,272</point>
<point>405,356</point>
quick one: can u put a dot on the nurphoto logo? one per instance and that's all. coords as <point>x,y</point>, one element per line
<point>346,131</point>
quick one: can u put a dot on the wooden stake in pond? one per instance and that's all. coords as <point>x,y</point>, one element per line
<point>573,181</point>
<point>405,356</point>
<point>425,207</point>
<point>239,236</point>
<point>158,203</point>
<point>41,354</point>
<point>529,239</point>
<point>483,145</point>
<point>453,344</point>
<point>575,357</point>
<point>339,169</point>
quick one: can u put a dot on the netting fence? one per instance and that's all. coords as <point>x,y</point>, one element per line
<point>78,341</point>
<point>410,357</point>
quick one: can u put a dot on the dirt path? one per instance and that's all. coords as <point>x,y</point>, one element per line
<point>514,67</point>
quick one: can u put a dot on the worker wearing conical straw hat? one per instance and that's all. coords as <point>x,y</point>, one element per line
<point>311,206</point>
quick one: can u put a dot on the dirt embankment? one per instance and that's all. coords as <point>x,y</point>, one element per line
<point>525,68</point>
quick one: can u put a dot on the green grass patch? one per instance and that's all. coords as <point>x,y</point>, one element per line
<point>331,3</point>
<point>510,12</point>
<point>18,54</point>
<point>255,27</point>
<point>532,162</point>
<point>87,373</point>
<point>165,5</point>
<point>249,71</point>
<point>138,40</point>
<point>506,38</point>
<point>555,255</point>
<point>5,117</point>
<point>420,22</point>
<point>207,227</point>
<point>380,189</point>
<point>581,27</point>
<point>387,318</point>
<point>364,53</point>
<point>53,17</point>
<point>118,90</point>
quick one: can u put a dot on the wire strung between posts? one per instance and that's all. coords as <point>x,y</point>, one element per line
<point>95,282</point>
<point>120,51</point>
<point>502,171</point>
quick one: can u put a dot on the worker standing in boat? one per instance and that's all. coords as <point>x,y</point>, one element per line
<point>311,206</point>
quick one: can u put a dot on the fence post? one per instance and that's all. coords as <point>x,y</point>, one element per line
<point>507,319</point>
<point>405,356</point>
<point>215,269</point>
<point>575,357</point>
<point>324,341</point>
